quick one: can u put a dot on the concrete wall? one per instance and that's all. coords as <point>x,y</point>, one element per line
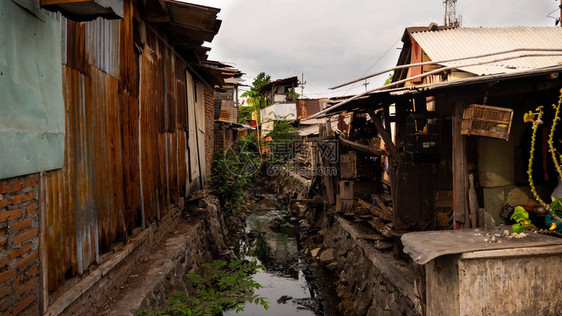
<point>518,281</point>
<point>19,246</point>
<point>496,168</point>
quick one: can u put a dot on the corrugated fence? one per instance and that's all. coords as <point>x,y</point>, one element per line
<point>125,157</point>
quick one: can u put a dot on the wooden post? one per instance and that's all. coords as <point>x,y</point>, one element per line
<point>459,169</point>
<point>394,153</point>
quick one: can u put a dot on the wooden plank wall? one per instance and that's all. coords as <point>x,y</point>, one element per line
<point>125,155</point>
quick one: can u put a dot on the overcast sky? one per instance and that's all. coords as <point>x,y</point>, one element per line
<point>334,41</point>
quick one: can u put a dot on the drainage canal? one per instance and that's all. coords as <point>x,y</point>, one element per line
<point>287,281</point>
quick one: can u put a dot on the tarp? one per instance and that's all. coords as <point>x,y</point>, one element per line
<point>31,104</point>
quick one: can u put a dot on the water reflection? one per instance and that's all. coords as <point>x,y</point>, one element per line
<point>272,241</point>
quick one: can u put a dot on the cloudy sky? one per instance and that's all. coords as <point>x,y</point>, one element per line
<point>334,41</point>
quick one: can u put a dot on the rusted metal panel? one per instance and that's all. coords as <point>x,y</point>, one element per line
<point>228,112</point>
<point>125,159</point>
<point>76,55</point>
<point>306,108</point>
<point>102,44</point>
<point>149,131</point>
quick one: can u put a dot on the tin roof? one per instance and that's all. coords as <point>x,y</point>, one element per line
<point>466,42</point>
<point>294,81</point>
<point>187,25</point>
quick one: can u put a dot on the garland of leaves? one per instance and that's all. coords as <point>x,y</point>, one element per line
<point>536,119</point>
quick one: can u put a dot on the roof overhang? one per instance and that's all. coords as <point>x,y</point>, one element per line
<point>86,10</point>
<point>186,25</point>
<point>380,98</point>
<point>291,81</point>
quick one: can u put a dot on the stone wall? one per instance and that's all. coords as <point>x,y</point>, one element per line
<point>19,246</point>
<point>369,282</point>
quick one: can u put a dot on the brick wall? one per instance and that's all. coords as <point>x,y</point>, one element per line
<point>209,128</point>
<point>19,246</point>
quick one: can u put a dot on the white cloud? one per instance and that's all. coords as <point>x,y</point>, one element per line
<point>333,41</point>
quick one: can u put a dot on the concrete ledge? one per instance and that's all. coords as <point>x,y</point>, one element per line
<point>151,282</point>
<point>88,281</point>
<point>92,290</point>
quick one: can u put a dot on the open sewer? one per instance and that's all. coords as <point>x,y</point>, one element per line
<point>286,282</point>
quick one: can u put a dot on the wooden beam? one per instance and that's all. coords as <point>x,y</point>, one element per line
<point>360,147</point>
<point>459,167</point>
<point>394,153</point>
<point>55,2</point>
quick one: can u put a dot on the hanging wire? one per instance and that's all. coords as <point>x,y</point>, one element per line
<point>378,60</point>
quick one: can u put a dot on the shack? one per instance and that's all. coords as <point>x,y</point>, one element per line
<point>442,147</point>
<point>436,160</point>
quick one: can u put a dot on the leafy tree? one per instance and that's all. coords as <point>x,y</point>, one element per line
<point>254,97</point>
<point>245,113</point>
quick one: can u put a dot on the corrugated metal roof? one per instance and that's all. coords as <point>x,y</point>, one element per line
<point>466,42</point>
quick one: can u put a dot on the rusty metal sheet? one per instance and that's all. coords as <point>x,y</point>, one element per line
<point>125,162</point>
<point>32,106</point>
<point>102,44</point>
<point>306,108</point>
<point>426,246</point>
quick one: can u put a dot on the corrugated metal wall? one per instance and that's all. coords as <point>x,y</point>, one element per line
<point>125,157</point>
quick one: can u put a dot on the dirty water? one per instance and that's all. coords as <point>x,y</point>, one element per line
<point>286,282</point>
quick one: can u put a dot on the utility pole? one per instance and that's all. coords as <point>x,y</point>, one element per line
<point>366,84</point>
<point>304,82</point>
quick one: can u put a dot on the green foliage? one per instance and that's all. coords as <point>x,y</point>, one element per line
<point>219,286</point>
<point>254,97</point>
<point>290,94</point>
<point>283,130</point>
<point>245,113</point>
<point>229,180</point>
<point>521,216</point>
<point>389,79</point>
<point>556,205</point>
<point>536,119</point>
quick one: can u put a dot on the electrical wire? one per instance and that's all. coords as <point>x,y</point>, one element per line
<point>378,60</point>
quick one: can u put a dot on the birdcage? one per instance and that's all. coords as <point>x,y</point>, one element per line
<point>488,121</point>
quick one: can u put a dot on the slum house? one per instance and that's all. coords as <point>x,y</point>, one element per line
<point>226,125</point>
<point>105,127</point>
<point>281,103</point>
<point>455,148</point>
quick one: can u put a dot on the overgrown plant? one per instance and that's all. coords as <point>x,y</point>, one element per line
<point>233,171</point>
<point>219,286</point>
<point>229,181</point>
<point>536,119</point>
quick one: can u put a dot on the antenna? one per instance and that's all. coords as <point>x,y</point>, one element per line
<point>451,18</point>
<point>302,86</point>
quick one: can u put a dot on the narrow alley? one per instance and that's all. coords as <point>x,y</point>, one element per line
<point>229,157</point>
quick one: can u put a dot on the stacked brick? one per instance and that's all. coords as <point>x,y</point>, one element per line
<point>19,246</point>
<point>209,128</point>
